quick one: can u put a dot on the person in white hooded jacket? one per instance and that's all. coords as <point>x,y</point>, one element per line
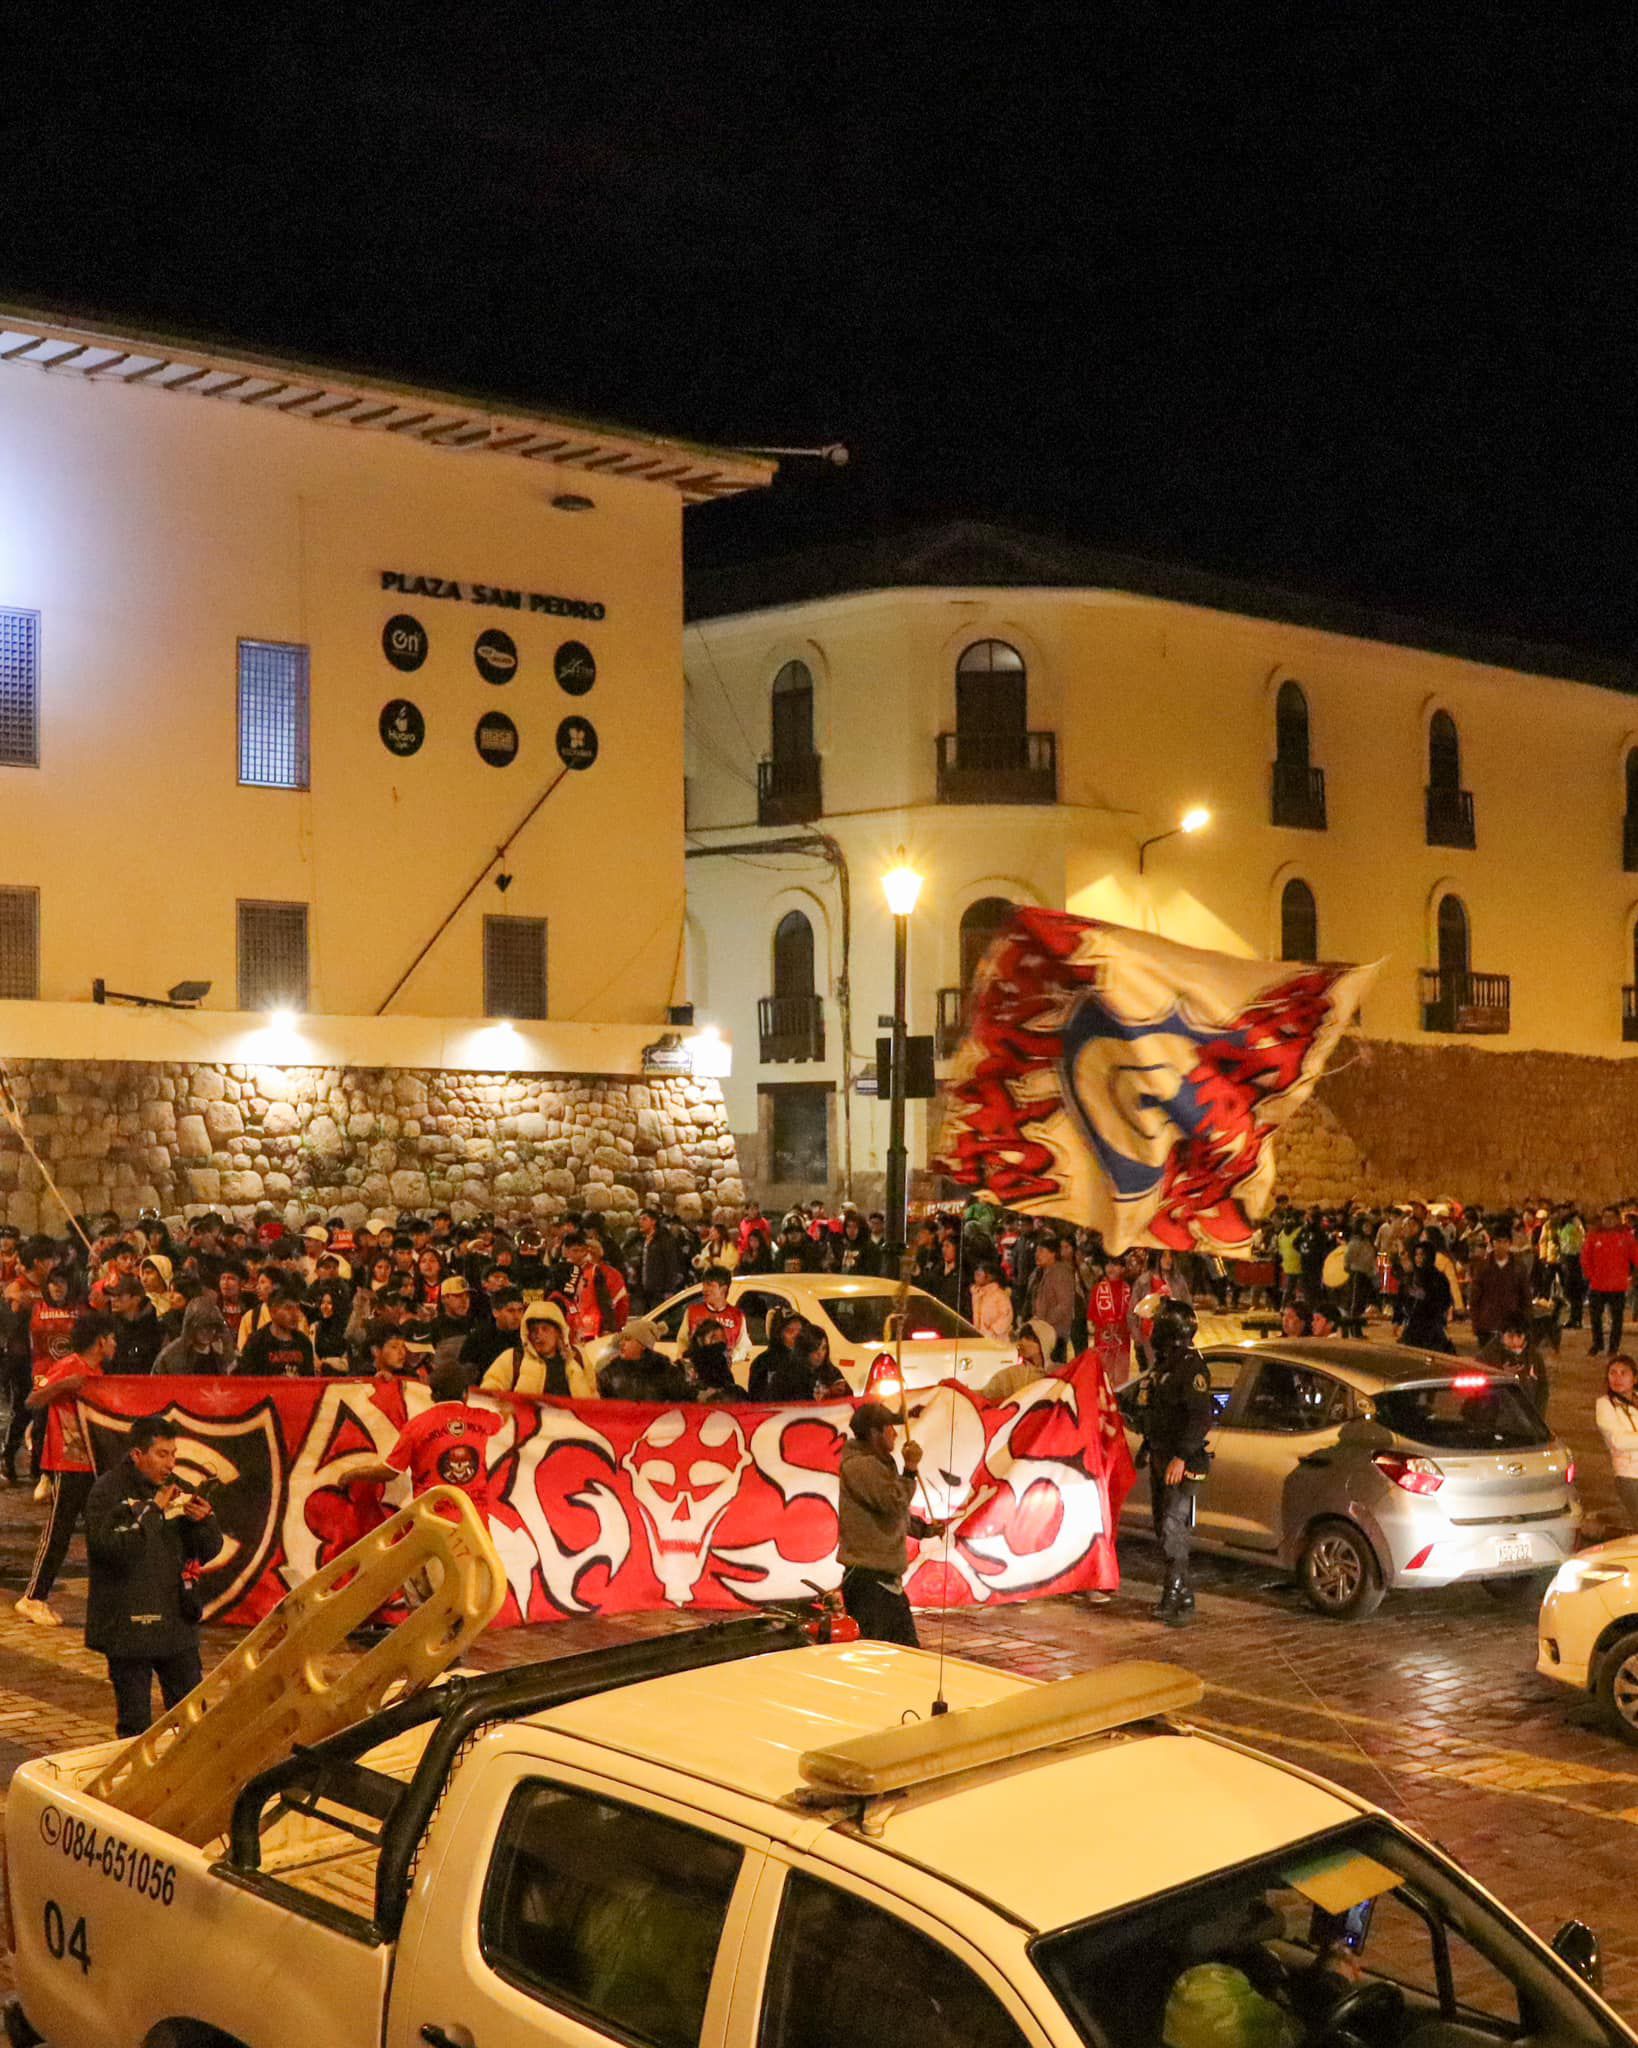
<point>546,1361</point>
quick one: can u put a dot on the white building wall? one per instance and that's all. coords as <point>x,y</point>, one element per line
<point>1157,706</point>
<point>151,531</point>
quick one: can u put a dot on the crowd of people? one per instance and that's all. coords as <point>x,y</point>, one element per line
<point>562,1308</point>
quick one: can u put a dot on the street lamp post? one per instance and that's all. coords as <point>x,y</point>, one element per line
<point>1193,820</point>
<point>902,887</point>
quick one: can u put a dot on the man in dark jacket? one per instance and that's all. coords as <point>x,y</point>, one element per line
<point>1498,1290</point>
<point>140,1337</point>
<point>142,1531</point>
<point>637,1372</point>
<point>660,1272</point>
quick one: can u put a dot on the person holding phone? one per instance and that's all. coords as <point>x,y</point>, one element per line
<point>143,1531</point>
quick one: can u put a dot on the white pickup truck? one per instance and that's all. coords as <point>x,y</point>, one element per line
<point>728,1838</point>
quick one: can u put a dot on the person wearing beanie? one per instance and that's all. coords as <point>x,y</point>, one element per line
<point>637,1372</point>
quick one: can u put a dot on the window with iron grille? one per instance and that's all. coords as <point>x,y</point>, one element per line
<point>273,715</point>
<point>19,945</point>
<point>514,967</point>
<point>272,956</point>
<point>19,689</point>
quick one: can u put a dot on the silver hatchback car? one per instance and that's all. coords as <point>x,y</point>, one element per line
<point>1364,1468</point>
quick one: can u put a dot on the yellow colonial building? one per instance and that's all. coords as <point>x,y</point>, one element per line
<point>1033,722</point>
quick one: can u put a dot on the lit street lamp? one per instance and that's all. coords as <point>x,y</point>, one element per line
<point>1195,819</point>
<point>902,887</point>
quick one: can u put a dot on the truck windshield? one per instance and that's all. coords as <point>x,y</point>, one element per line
<point>1469,1413</point>
<point>863,1318</point>
<point>1269,1955</point>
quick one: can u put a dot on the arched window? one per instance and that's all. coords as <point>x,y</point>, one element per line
<point>793,712</point>
<point>992,707</point>
<point>1632,782</point>
<point>1444,753</point>
<point>1299,922</point>
<point>980,922</point>
<point>1629,824</point>
<point>1453,939</point>
<point>1291,726</point>
<point>793,956</point>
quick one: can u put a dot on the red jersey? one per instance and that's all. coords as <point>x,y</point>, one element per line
<point>66,1449</point>
<point>443,1446</point>
<point>1607,1259</point>
<point>1107,1308</point>
<point>731,1319</point>
<point>50,1334</point>
<point>590,1317</point>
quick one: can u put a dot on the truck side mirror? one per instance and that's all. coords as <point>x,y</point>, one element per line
<point>1576,1944</point>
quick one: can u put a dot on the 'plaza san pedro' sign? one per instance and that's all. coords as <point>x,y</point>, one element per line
<point>447,587</point>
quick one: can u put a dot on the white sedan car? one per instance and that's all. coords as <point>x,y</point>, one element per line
<point>1588,1633</point>
<point>857,1315</point>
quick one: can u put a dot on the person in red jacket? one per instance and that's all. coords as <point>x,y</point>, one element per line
<point>1607,1260</point>
<point>601,1303</point>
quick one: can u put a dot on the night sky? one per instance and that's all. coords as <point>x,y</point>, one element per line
<point>1343,300</point>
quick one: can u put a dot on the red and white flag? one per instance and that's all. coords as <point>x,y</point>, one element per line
<point>1118,1079</point>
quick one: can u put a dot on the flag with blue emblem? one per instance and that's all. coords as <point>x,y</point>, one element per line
<point>1117,1079</point>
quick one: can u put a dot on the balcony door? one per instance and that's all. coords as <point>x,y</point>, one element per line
<point>793,714</point>
<point>1453,947</point>
<point>992,709</point>
<point>980,922</point>
<point>1291,731</point>
<point>793,958</point>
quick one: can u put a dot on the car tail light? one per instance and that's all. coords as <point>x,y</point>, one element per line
<point>882,1382</point>
<point>1467,1381</point>
<point>1569,1473</point>
<point>1415,1475</point>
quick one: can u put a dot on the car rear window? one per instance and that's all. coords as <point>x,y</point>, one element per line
<point>862,1318</point>
<point>1492,1416</point>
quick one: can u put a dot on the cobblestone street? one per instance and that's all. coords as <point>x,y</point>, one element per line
<point>1430,1708</point>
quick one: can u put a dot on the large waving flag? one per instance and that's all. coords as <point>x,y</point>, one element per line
<point>1114,1078</point>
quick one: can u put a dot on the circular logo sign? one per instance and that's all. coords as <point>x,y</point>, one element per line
<point>402,727</point>
<point>496,655</point>
<point>575,667</point>
<point>577,743</point>
<point>404,642</point>
<point>497,739</point>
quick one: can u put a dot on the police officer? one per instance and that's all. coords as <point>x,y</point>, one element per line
<point>1174,1406</point>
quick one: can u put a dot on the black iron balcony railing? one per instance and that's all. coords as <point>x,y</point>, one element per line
<point>998,767</point>
<point>1477,1004</point>
<point>1629,1013</point>
<point>1450,817</point>
<point>1298,796</point>
<point>788,790</point>
<point>791,1027</point>
<point>1629,843</point>
<point>952,1022</point>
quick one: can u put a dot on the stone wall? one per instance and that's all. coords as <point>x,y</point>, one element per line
<point>1391,1121</point>
<point>133,1135</point>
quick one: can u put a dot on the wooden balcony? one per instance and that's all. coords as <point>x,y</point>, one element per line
<point>998,768</point>
<point>791,1028</point>
<point>1297,794</point>
<point>1477,1005</point>
<point>1450,817</point>
<point>788,790</point>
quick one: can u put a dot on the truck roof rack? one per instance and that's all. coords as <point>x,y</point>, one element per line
<point>1065,1710</point>
<point>326,1775</point>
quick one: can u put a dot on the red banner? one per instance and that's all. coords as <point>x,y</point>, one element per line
<point>606,1507</point>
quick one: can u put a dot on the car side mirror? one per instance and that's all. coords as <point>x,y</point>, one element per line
<point>1364,1433</point>
<point>1577,1945</point>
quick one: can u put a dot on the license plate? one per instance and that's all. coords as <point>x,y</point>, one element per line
<point>1513,1550</point>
